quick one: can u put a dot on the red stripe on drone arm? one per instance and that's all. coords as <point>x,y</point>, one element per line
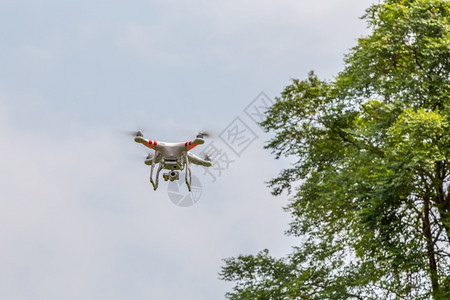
<point>149,144</point>
<point>190,145</point>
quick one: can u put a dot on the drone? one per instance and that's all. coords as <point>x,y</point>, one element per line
<point>173,157</point>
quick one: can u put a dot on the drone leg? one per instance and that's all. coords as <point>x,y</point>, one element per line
<point>188,173</point>
<point>157,174</point>
<point>151,178</point>
<point>151,172</point>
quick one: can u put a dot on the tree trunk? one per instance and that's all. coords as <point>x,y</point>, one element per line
<point>430,249</point>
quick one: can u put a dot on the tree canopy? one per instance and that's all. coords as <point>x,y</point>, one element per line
<point>372,203</point>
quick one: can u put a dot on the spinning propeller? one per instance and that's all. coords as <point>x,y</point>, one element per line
<point>132,133</point>
<point>203,134</point>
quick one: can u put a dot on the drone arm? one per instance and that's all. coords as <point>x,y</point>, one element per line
<point>147,143</point>
<point>197,160</point>
<point>192,144</point>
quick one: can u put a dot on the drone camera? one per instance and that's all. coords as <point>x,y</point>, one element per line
<point>172,175</point>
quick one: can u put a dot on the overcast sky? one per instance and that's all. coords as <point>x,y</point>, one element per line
<point>79,219</point>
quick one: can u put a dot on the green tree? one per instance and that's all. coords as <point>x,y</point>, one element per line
<point>372,206</point>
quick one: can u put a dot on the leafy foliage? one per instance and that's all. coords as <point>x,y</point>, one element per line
<point>372,149</point>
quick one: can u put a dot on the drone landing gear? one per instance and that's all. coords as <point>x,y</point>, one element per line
<point>188,177</point>
<point>172,175</point>
<point>155,185</point>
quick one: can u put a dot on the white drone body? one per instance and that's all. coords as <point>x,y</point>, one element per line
<point>173,157</point>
